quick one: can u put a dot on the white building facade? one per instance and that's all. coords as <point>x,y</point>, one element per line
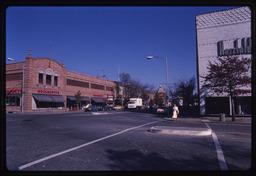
<point>220,34</point>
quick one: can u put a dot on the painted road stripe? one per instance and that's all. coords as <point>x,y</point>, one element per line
<point>238,138</point>
<point>80,146</point>
<point>249,134</point>
<point>220,155</point>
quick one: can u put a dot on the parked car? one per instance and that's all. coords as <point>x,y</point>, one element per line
<point>85,106</point>
<point>163,110</point>
<point>92,108</point>
<point>100,108</point>
<point>108,108</point>
<point>117,107</point>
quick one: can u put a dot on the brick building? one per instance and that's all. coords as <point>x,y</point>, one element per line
<point>42,84</point>
<point>220,34</point>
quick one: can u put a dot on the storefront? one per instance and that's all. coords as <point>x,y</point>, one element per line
<point>221,34</point>
<point>42,84</point>
<point>72,102</point>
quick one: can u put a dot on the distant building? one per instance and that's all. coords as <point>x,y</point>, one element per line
<point>160,96</point>
<point>119,93</point>
<point>220,34</point>
<point>45,85</point>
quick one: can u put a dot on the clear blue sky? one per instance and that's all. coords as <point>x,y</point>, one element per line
<point>95,40</point>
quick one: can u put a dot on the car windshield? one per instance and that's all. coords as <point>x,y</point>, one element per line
<point>131,102</point>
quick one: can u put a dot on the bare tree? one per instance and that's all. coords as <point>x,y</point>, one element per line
<point>185,89</point>
<point>78,97</point>
<point>228,74</point>
<point>134,88</point>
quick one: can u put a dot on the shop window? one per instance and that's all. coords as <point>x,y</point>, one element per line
<point>40,78</point>
<point>48,79</point>
<point>13,101</point>
<point>55,80</point>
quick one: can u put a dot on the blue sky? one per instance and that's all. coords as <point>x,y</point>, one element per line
<point>98,40</point>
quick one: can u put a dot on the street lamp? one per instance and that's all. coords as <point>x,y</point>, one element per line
<point>10,59</point>
<point>167,86</point>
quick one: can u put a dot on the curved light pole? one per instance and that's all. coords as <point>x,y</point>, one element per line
<point>167,86</point>
<point>10,59</point>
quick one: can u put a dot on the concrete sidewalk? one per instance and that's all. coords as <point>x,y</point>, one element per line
<point>187,131</point>
<point>228,120</point>
<point>192,131</point>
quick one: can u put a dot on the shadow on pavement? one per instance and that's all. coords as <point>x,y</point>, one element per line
<point>134,160</point>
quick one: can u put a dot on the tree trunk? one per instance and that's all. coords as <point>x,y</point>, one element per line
<point>233,108</point>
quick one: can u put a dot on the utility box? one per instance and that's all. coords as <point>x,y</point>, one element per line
<point>222,117</point>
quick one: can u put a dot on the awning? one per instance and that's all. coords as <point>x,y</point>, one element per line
<point>42,98</point>
<point>13,95</point>
<point>86,99</point>
<point>72,98</point>
<point>57,98</point>
<point>98,100</point>
<point>48,98</point>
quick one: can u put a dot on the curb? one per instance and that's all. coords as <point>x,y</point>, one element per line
<point>181,131</point>
<point>211,120</point>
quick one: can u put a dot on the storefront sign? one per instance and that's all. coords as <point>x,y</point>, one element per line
<point>13,91</point>
<point>110,97</point>
<point>48,91</point>
<point>246,47</point>
<point>242,91</point>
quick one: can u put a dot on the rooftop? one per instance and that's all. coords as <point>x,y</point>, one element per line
<point>226,17</point>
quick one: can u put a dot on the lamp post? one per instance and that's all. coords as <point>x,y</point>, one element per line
<point>167,86</point>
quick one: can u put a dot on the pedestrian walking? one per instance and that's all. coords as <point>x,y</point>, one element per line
<point>175,113</point>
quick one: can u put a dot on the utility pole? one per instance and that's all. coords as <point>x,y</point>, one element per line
<point>22,90</point>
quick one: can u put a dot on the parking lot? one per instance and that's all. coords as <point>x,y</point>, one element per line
<point>120,141</point>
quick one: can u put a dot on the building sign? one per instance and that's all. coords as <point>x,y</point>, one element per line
<point>110,97</point>
<point>245,47</point>
<point>48,91</point>
<point>242,91</point>
<point>13,91</point>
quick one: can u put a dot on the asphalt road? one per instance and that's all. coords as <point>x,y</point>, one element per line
<point>119,141</point>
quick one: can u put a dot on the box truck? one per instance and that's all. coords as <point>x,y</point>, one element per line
<point>135,103</point>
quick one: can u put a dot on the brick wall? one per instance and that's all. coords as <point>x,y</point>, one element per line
<point>32,67</point>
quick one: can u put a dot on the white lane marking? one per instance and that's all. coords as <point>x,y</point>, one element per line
<point>80,146</point>
<point>220,155</point>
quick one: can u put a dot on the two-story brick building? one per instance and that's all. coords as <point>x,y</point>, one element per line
<point>42,84</point>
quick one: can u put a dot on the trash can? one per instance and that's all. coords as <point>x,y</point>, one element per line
<point>222,117</point>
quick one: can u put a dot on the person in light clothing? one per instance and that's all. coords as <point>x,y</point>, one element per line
<point>175,112</point>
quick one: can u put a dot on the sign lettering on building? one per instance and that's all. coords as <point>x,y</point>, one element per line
<point>48,91</point>
<point>13,91</point>
<point>245,47</point>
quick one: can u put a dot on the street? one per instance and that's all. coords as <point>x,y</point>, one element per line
<point>119,141</point>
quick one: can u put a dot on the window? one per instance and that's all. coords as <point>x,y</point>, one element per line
<point>97,86</point>
<point>55,80</point>
<point>48,79</point>
<point>12,100</point>
<point>77,83</point>
<point>40,78</point>
<point>109,88</point>
<point>14,76</point>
